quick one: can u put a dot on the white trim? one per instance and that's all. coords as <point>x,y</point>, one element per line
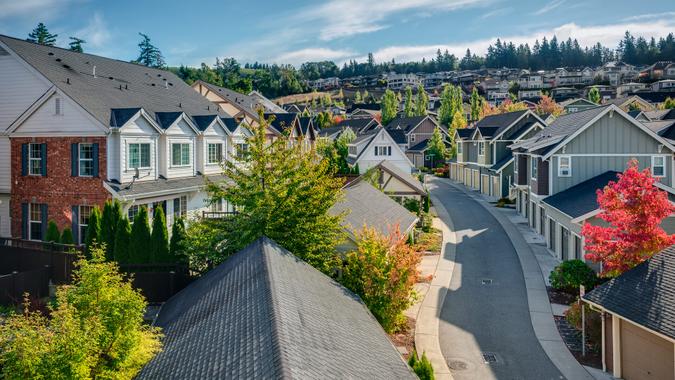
<point>139,155</point>
<point>664,166</point>
<point>609,155</point>
<point>534,170</point>
<point>517,120</point>
<point>569,166</point>
<point>481,144</point>
<point>79,160</point>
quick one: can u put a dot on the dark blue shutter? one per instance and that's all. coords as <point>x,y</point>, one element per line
<point>74,163</point>
<point>45,220</point>
<point>24,159</point>
<point>43,152</point>
<point>75,216</point>
<point>24,220</point>
<point>94,153</point>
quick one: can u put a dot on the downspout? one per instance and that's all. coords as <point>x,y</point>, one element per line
<point>603,352</point>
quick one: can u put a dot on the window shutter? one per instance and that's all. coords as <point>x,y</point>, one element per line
<point>74,164</point>
<point>388,151</point>
<point>75,221</point>
<point>24,159</point>
<point>45,219</point>
<point>43,153</point>
<point>94,153</point>
<point>24,220</point>
<point>375,150</point>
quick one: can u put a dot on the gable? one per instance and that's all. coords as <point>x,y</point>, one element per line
<point>215,129</point>
<point>140,125</point>
<point>180,128</point>
<point>72,120</point>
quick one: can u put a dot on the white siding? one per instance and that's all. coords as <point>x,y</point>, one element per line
<point>138,131</point>
<point>5,230</point>
<point>19,88</point>
<point>72,121</point>
<point>180,133</point>
<point>5,165</point>
<point>113,159</point>
<point>368,159</point>
<point>212,135</point>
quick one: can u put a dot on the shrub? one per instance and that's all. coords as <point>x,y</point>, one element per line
<point>93,233</point>
<point>426,204</point>
<point>422,366</point>
<point>412,205</point>
<point>140,250</point>
<point>112,213</point>
<point>593,322</point>
<point>442,172</point>
<point>53,234</point>
<point>569,275</point>
<point>383,272</point>
<point>177,243</point>
<point>122,250</point>
<point>67,236</point>
<point>425,222</point>
<point>160,237</point>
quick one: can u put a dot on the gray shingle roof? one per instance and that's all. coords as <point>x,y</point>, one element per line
<point>265,314</point>
<point>502,163</point>
<point>500,121</point>
<point>231,123</point>
<point>404,177</point>
<point>368,205</point>
<point>405,123</point>
<point>161,185</point>
<point>644,295</point>
<point>465,133</point>
<point>117,85</point>
<point>582,198</point>
<point>357,125</point>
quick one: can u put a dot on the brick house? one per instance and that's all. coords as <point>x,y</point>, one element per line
<point>77,129</point>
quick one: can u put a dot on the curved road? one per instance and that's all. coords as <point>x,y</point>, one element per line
<point>485,309</point>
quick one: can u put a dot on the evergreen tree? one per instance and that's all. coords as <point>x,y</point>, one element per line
<point>357,97</point>
<point>436,147</point>
<point>40,35</point>
<point>594,95</point>
<point>112,212</point>
<point>53,234</point>
<point>366,97</point>
<point>76,44</point>
<point>149,54</point>
<point>160,237</point>
<point>140,250</point>
<point>67,236</point>
<point>122,253</point>
<point>177,243</point>
<point>445,112</point>
<point>93,232</point>
<point>422,102</point>
<point>409,108</point>
<point>389,107</point>
<point>476,104</point>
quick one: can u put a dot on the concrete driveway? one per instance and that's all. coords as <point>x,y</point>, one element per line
<point>485,314</point>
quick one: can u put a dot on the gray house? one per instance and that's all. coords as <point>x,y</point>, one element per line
<point>412,135</point>
<point>484,161</point>
<point>558,171</point>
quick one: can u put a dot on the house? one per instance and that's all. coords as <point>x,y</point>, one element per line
<point>575,105</point>
<point>83,129</point>
<point>559,169</point>
<point>529,94</point>
<point>631,102</point>
<point>394,182</point>
<point>664,85</point>
<point>232,103</point>
<point>625,88</point>
<point>412,135</point>
<point>638,318</point>
<point>484,162</point>
<point>657,71</point>
<point>239,135</point>
<point>370,148</point>
<point>401,81</point>
<point>359,125</point>
<point>265,314</point>
<point>364,205</point>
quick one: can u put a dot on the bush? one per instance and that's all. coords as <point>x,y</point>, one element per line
<point>53,234</point>
<point>569,275</point>
<point>67,236</point>
<point>93,233</point>
<point>412,205</point>
<point>160,237</point>
<point>593,322</point>
<point>426,204</point>
<point>177,243</point>
<point>122,253</point>
<point>422,367</point>
<point>425,222</point>
<point>140,249</point>
<point>442,172</point>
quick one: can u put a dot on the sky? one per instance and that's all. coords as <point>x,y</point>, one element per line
<point>189,32</point>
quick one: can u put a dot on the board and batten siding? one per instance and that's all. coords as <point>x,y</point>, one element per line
<point>19,88</point>
<point>422,132</point>
<point>368,159</point>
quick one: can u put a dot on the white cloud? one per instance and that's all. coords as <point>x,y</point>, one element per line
<point>313,54</point>
<point>549,7</point>
<point>31,8</point>
<point>649,16</point>
<point>496,12</point>
<point>96,32</point>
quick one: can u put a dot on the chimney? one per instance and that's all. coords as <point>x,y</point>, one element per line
<point>94,71</point>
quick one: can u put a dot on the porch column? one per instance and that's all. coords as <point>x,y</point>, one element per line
<point>616,346</point>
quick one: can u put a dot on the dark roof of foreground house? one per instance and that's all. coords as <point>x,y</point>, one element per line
<point>357,125</point>
<point>465,133</point>
<point>161,186</point>
<point>367,205</point>
<point>645,295</point>
<point>581,199</point>
<point>500,121</point>
<point>282,121</point>
<point>117,85</point>
<point>266,314</point>
<point>405,123</point>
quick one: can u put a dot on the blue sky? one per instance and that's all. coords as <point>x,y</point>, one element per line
<point>193,31</point>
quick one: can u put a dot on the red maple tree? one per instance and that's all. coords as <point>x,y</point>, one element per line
<point>634,209</point>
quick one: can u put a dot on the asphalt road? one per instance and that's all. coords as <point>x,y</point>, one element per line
<point>485,310</point>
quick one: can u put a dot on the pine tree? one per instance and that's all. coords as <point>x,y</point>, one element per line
<point>422,102</point>
<point>122,253</point>
<point>594,95</point>
<point>67,236</point>
<point>76,44</point>
<point>389,106</point>
<point>176,245</point>
<point>140,250</point>
<point>476,104</point>
<point>93,232</point>
<point>160,237</point>
<point>53,234</point>
<point>149,54</point>
<point>112,212</point>
<point>409,109</point>
<point>41,35</point>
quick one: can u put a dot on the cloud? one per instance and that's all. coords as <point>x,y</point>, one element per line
<point>549,7</point>
<point>96,32</point>
<point>496,12</point>
<point>649,16</point>
<point>32,8</point>
<point>314,54</point>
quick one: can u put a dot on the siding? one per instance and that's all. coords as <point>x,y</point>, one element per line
<point>5,230</point>
<point>181,133</point>
<point>522,170</point>
<point>20,88</point>
<point>5,165</point>
<point>211,135</point>
<point>139,131</point>
<point>422,132</point>
<point>73,121</point>
<point>368,159</point>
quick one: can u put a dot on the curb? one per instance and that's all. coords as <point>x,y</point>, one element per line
<point>428,317</point>
<point>541,314</point>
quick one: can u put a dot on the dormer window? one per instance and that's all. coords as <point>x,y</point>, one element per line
<point>180,154</point>
<point>138,156</point>
<point>352,150</point>
<point>215,153</point>
<point>658,166</point>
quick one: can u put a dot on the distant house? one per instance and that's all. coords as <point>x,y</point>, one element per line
<point>266,314</point>
<point>235,104</point>
<point>638,319</point>
<point>576,105</point>
<point>412,134</point>
<point>359,125</point>
<point>401,81</point>
<point>630,102</point>
<point>394,182</point>
<point>370,148</point>
<point>664,85</point>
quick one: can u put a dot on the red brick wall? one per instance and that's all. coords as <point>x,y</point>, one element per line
<point>59,190</point>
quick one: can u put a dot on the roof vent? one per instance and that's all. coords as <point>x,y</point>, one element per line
<point>94,71</point>
<point>111,78</point>
<point>67,80</point>
<point>126,86</point>
<point>153,85</point>
<point>50,53</point>
<point>66,66</point>
<point>166,84</point>
<point>58,59</point>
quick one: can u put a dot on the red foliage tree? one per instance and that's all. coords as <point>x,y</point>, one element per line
<point>337,119</point>
<point>634,208</point>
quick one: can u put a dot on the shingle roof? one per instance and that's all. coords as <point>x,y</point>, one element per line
<point>405,123</point>
<point>282,121</point>
<point>117,85</point>
<point>398,135</point>
<point>404,177</point>
<point>464,133</point>
<point>644,295</point>
<point>203,121</point>
<point>266,314</point>
<point>230,122</point>
<point>368,205</point>
<point>499,165</point>
<point>305,124</point>
<point>581,199</point>
<point>501,121</point>
<point>364,137</point>
<point>165,119</point>
<point>357,125</point>
<point>161,185</point>
<point>488,132</point>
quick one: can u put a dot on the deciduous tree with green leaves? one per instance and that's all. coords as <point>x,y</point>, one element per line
<point>389,106</point>
<point>409,107</point>
<point>445,112</point>
<point>476,104</point>
<point>422,102</point>
<point>40,35</point>
<point>357,97</point>
<point>436,146</point>
<point>594,95</point>
<point>160,237</point>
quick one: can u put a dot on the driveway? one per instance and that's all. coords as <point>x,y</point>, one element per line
<point>485,310</point>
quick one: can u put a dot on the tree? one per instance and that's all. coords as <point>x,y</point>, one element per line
<point>160,237</point>
<point>389,106</point>
<point>112,212</point>
<point>594,95</point>
<point>633,208</point>
<point>76,44</point>
<point>149,55</point>
<point>357,97</point>
<point>458,122</point>
<point>476,104</point>
<point>67,236</point>
<point>140,250</point>
<point>422,102</point>
<point>421,366</point>
<point>177,243</point>
<point>93,233</point>
<point>53,235</point>
<point>669,103</point>
<point>436,146</point>
<point>549,106</point>
<point>40,35</point>
<point>95,330</point>
<point>409,107</point>
<point>446,111</point>
<point>283,193</point>
<point>383,271</point>
<point>122,253</point>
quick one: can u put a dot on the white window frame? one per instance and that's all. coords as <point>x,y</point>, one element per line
<point>460,149</point>
<point>181,212</point>
<point>352,150</point>
<point>481,148</point>
<point>383,150</point>
<point>515,164</point>
<point>412,137</point>
<point>534,168</point>
<point>561,168</point>
<point>80,218</point>
<point>219,157</point>
<point>31,221</point>
<point>182,145</point>
<point>662,165</point>
<point>35,162</point>
<point>140,155</point>
<point>80,160</point>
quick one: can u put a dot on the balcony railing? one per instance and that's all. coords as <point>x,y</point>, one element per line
<point>218,214</point>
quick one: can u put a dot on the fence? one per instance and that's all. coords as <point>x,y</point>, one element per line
<point>14,285</point>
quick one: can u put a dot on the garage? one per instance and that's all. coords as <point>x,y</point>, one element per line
<point>645,355</point>
<point>476,179</point>
<point>485,184</point>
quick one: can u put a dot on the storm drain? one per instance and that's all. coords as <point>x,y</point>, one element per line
<point>486,281</point>
<point>489,357</point>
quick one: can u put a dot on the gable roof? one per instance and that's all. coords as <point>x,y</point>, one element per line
<point>231,123</point>
<point>644,295</point>
<point>581,199</point>
<point>406,124</point>
<point>282,121</point>
<point>465,133</point>
<point>117,85</point>
<point>402,176</point>
<point>358,125</point>
<point>568,102</point>
<point>264,313</point>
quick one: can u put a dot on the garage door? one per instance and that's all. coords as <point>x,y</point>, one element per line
<point>485,185</point>
<point>645,355</point>
<point>476,179</point>
<point>496,189</point>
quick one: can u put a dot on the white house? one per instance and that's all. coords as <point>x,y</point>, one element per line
<point>369,149</point>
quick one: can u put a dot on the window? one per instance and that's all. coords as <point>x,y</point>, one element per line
<point>535,168</point>
<point>133,210</point>
<point>564,166</point>
<point>86,160</point>
<point>577,247</point>
<point>242,149</point>
<point>179,207</point>
<point>35,221</point>
<point>217,206</point>
<point>352,150</point>
<point>659,166</point>
<point>35,159</point>
<point>412,137</point>
<point>481,149</point>
<point>383,151</point>
<point>180,154</point>
<point>139,156</point>
<point>215,153</point>
<point>459,148</point>
<point>84,213</point>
